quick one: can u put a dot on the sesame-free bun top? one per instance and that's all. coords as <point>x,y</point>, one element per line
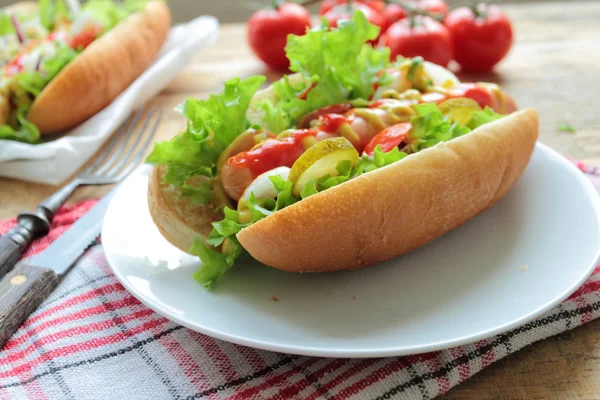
<point>393,210</point>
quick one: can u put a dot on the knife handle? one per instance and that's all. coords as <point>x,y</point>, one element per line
<point>14,243</point>
<point>21,291</point>
<point>10,253</point>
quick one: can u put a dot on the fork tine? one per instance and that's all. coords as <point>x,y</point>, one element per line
<point>107,151</point>
<point>132,149</point>
<point>137,157</point>
<point>115,156</point>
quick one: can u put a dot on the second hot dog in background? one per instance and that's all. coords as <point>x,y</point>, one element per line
<point>61,63</point>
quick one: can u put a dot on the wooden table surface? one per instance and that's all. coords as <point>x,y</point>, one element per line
<point>554,68</point>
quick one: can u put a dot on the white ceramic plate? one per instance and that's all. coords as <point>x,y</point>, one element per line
<point>498,271</point>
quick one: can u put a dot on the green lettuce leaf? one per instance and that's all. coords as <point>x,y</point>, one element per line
<point>309,189</point>
<point>479,118</point>
<point>336,65</point>
<point>379,159</point>
<point>431,127</point>
<point>276,119</point>
<point>52,12</point>
<point>107,13</point>
<point>46,10</point>
<point>345,172</point>
<point>25,132</point>
<point>212,125</point>
<point>6,25</point>
<point>215,264</point>
<point>35,82</point>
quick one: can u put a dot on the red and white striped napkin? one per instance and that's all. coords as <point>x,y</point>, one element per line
<point>93,340</point>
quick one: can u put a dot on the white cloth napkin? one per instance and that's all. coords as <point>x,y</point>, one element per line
<point>54,161</point>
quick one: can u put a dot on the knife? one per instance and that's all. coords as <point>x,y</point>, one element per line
<point>31,281</point>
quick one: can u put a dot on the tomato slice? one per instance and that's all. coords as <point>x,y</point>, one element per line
<point>85,37</point>
<point>473,91</point>
<point>388,138</point>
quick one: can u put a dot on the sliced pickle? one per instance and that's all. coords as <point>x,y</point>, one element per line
<point>320,160</point>
<point>460,109</point>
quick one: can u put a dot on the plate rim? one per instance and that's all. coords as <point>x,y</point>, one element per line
<point>387,351</point>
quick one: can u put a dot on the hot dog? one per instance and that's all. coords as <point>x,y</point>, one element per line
<point>324,173</point>
<point>62,63</point>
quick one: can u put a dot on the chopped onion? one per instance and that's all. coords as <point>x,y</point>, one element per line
<point>18,29</point>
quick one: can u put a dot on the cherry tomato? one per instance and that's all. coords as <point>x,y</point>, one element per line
<point>84,38</point>
<point>394,12</point>
<point>268,30</point>
<point>433,6</point>
<point>326,5</point>
<point>345,11</point>
<point>424,37</point>
<point>481,36</point>
<point>388,138</point>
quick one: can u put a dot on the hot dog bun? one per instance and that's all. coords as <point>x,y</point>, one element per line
<point>102,71</point>
<point>398,208</point>
<point>377,216</point>
<point>177,219</point>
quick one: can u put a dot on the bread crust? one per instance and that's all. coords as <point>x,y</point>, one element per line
<point>398,208</point>
<point>100,73</point>
<point>177,219</point>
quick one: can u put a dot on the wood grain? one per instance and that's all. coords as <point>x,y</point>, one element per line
<point>10,254</point>
<point>22,290</point>
<point>553,67</point>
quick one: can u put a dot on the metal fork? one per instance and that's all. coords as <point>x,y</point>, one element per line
<point>116,162</point>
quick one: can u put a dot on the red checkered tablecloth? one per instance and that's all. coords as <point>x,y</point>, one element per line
<point>93,340</point>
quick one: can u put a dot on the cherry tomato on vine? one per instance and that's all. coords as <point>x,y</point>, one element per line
<point>419,36</point>
<point>481,36</point>
<point>268,30</point>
